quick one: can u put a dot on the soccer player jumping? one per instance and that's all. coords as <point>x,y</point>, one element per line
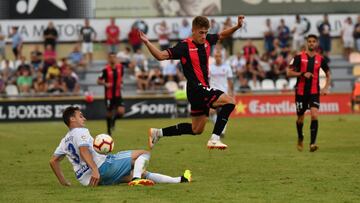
<point>193,54</point>
<point>306,67</point>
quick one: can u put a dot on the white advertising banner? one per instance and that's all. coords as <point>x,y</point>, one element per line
<point>68,29</point>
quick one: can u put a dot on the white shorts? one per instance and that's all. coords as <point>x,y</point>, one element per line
<point>87,47</point>
<point>348,43</point>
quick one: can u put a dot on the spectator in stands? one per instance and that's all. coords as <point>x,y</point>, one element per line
<point>56,86</point>
<point>278,69</point>
<point>228,42</point>
<point>257,70</point>
<point>170,71</point>
<point>325,38</point>
<point>237,65</point>
<point>249,49</point>
<point>50,36</point>
<point>8,72</point>
<point>214,27</point>
<point>76,58</point>
<point>112,36</point>
<point>134,39</point>
<point>39,83</point>
<point>24,81</point>
<point>70,80</point>
<point>124,57</point>
<point>347,36</point>
<point>283,33</point>
<point>357,34</point>
<point>36,58</point>
<point>266,64</point>
<point>163,33</point>
<point>88,36</point>
<point>139,58</point>
<point>156,79</point>
<point>219,48</point>
<point>53,72</point>
<point>7,64</point>
<point>2,84</point>
<point>268,36</point>
<point>16,42</point>
<point>298,32</point>
<point>21,64</point>
<point>184,30</point>
<point>2,44</point>
<point>142,75</point>
<point>49,58</point>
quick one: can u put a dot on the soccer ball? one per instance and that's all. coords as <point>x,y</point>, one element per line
<point>103,143</point>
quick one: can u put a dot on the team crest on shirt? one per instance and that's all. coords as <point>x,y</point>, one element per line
<point>316,62</point>
<point>83,137</point>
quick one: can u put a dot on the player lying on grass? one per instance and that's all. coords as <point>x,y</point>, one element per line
<point>92,168</point>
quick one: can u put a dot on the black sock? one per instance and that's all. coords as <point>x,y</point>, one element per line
<point>179,129</point>
<point>299,127</point>
<point>313,130</point>
<point>108,124</point>
<point>222,118</point>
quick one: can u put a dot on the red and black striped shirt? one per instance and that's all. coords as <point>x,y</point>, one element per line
<point>112,75</point>
<point>304,63</point>
<point>194,59</point>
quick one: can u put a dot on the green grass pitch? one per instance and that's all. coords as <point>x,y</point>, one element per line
<point>260,165</point>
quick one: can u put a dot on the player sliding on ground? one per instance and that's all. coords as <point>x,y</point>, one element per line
<point>92,168</point>
<point>193,54</point>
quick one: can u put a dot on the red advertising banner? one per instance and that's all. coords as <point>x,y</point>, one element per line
<point>284,104</point>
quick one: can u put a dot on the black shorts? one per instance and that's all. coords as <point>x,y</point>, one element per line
<point>201,99</point>
<point>114,103</point>
<point>304,102</point>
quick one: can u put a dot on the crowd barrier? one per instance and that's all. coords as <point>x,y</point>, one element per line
<point>247,105</point>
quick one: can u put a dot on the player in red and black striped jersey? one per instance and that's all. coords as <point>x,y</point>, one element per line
<point>193,54</point>
<point>306,67</point>
<point>111,78</point>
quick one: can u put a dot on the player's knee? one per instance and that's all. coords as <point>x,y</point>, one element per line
<point>314,117</point>
<point>197,130</point>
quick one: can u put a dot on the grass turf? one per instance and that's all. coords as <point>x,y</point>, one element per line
<point>261,164</point>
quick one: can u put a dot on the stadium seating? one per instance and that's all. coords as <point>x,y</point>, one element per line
<point>281,83</point>
<point>267,84</point>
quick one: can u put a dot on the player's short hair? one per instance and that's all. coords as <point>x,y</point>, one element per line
<point>111,53</point>
<point>312,36</point>
<point>68,113</point>
<point>201,22</point>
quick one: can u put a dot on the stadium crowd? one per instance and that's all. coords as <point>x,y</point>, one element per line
<point>43,72</point>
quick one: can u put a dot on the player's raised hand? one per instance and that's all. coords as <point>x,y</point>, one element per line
<point>143,37</point>
<point>240,21</point>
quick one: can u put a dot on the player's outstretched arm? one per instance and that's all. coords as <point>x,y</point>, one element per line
<point>228,32</point>
<point>85,154</point>
<point>159,55</point>
<point>55,166</point>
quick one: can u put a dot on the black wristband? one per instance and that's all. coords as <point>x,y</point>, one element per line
<point>302,74</point>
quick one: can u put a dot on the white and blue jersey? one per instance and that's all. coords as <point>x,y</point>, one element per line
<point>69,146</point>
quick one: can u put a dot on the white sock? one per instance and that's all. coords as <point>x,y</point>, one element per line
<point>140,165</point>
<point>223,132</point>
<point>215,137</point>
<point>161,132</point>
<point>213,118</point>
<point>160,178</point>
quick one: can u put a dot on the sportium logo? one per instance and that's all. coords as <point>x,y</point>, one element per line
<point>27,7</point>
